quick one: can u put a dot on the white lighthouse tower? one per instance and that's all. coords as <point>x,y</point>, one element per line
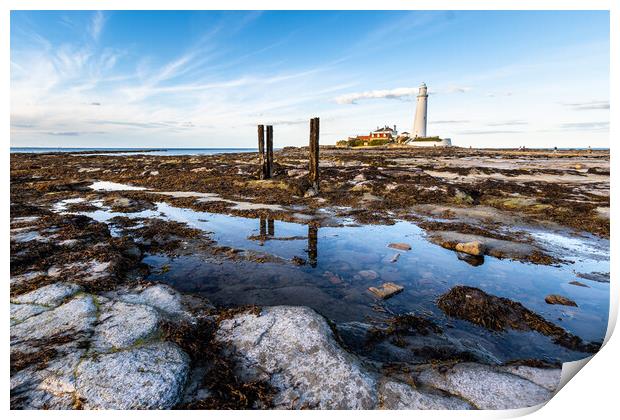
<point>419,123</point>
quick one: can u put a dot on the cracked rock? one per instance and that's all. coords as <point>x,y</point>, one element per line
<point>122,324</point>
<point>149,377</point>
<point>486,387</point>
<point>294,349</point>
<point>400,396</point>
<point>74,317</point>
<point>50,295</point>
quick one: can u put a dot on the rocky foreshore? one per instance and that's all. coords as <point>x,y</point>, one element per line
<point>115,350</point>
<point>92,329</point>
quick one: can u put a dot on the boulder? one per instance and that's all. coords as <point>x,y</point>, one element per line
<point>476,248</point>
<point>293,348</point>
<point>149,377</point>
<point>559,300</point>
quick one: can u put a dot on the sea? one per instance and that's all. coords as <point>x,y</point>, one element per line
<point>119,151</point>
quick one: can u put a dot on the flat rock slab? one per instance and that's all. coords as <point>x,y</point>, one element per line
<point>159,296</point>
<point>400,396</point>
<point>21,312</point>
<point>50,295</point>
<point>294,349</point>
<point>52,387</point>
<point>74,317</point>
<point>559,300</point>
<point>387,290</point>
<point>547,378</point>
<point>400,246</point>
<point>487,387</point>
<point>149,377</point>
<point>122,324</point>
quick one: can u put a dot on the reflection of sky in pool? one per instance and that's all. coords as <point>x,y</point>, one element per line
<point>426,272</point>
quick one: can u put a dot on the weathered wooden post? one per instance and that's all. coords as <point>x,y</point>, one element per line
<point>261,151</point>
<point>313,175</point>
<point>269,164</point>
<point>313,239</point>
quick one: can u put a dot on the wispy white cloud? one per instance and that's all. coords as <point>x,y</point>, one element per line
<point>508,122</point>
<point>589,105</point>
<point>588,126</point>
<point>96,25</point>
<point>404,93</point>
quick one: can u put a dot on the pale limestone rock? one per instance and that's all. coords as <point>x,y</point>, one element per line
<point>486,387</point>
<point>122,324</point>
<point>50,295</point>
<point>52,387</point>
<point>293,348</point>
<point>149,377</point>
<point>400,396</point>
<point>161,297</point>
<point>74,317</point>
<point>21,312</point>
<point>547,378</point>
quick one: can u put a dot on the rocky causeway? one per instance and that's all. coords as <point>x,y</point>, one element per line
<point>440,278</point>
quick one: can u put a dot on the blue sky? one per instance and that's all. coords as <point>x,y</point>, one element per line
<point>205,79</point>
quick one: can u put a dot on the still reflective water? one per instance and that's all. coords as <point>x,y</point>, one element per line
<point>342,262</point>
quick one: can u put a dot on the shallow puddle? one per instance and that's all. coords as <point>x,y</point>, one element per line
<point>340,263</point>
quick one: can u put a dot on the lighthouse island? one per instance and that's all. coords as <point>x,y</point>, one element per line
<point>389,136</point>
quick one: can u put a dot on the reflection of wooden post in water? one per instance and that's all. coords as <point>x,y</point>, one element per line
<point>263,225</point>
<point>313,175</point>
<point>261,151</point>
<point>313,239</point>
<point>270,228</point>
<point>269,165</point>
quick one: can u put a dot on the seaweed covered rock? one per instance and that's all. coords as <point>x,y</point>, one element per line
<point>559,300</point>
<point>293,348</point>
<point>499,314</point>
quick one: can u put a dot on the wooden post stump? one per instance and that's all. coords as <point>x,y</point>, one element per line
<point>313,175</point>
<point>261,151</point>
<point>269,164</point>
<point>313,240</point>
